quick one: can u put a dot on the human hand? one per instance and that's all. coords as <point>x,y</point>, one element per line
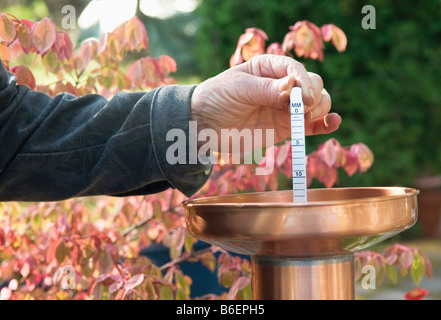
<point>256,95</point>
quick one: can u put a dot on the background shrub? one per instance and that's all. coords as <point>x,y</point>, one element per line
<point>385,85</point>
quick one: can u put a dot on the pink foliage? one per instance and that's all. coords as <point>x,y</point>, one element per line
<point>305,38</point>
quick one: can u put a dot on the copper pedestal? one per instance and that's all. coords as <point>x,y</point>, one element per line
<point>302,251</point>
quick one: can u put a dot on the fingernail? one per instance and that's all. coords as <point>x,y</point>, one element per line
<point>311,93</point>
<point>286,86</point>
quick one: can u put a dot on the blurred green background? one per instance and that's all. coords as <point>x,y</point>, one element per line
<point>385,85</point>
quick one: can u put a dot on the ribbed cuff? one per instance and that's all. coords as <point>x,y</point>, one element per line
<point>170,114</point>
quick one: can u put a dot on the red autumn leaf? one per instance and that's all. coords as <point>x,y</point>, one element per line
<point>329,152</point>
<point>7,29</point>
<point>134,281</point>
<point>272,181</point>
<point>15,47</point>
<point>145,71</point>
<point>306,40</point>
<point>283,153</point>
<point>254,45</point>
<point>27,23</point>
<point>167,65</point>
<point>416,294</point>
<point>250,44</point>
<point>25,269</point>
<point>115,46</point>
<point>266,165</point>
<point>330,178</point>
<point>2,237</point>
<point>406,259</point>
<point>102,43</point>
<point>391,259</point>
<point>245,38</point>
<point>310,169</point>
<point>87,52</point>
<point>63,45</point>
<point>24,37</point>
<point>136,73</point>
<point>334,33</point>
<point>44,34</point>
<point>136,34</point>
<point>350,162</point>
<point>5,53</point>
<point>275,48</point>
<point>120,34</point>
<point>427,265</point>
<point>24,76</point>
<point>364,155</point>
<point>115,286</point>
<point>236,58</point>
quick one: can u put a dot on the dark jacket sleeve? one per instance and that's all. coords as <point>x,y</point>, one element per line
<point>63,147</point>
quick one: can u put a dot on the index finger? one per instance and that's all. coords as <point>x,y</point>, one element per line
<point>277,67</point>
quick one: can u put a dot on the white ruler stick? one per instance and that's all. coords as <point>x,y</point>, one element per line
<point>298,146</point>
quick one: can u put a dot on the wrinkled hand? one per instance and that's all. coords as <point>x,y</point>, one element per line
<point>256,95</point>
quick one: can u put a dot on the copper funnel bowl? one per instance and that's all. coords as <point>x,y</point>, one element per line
<point>302,250</point>
<point>334,221</point>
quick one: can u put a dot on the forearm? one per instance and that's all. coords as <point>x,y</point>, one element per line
<point>63,147</point>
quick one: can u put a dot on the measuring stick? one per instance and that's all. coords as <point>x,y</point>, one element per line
<point>298,146</point>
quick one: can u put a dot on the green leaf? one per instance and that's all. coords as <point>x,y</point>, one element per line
<point>209,260</point>
<point>50,61</point>
<point>165,293</point>
<point>151,290</point>
<point>107,81</point>
<point>60,252</point>
<point>157,209</point>
<point>246,293</point>
<point>403,271</point>
<point>36,221</point>
<point>227,279</point>
<point>181,295</point>
<point>188,244</point>
<point>417,270</point>
<point>175,252</point>
<point>183,282</point>
<point>392,273</point>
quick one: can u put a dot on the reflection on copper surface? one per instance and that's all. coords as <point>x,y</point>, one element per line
<point>301,250</point>
<point>332,222</point>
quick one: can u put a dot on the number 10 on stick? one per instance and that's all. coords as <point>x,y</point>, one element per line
<point>297,110</point>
